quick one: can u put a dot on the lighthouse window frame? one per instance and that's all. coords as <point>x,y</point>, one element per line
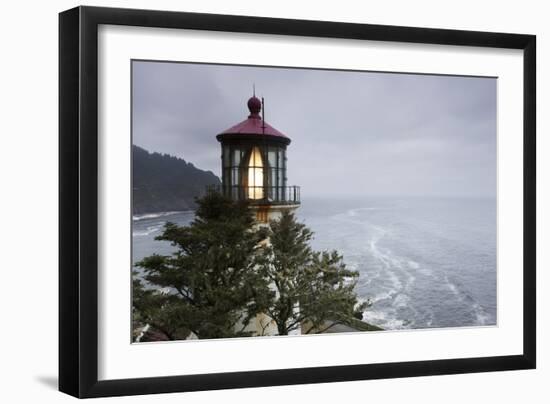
<point>235,171</point>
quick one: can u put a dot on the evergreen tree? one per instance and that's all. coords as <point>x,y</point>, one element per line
<point>209,285</point>
<point>226,270</point>
<point>311,289</point>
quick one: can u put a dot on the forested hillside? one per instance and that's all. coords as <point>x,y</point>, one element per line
<point>165,183</point>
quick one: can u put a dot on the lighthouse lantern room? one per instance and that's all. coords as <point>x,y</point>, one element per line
<point>254,165</point>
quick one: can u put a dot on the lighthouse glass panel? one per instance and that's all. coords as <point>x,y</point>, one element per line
<point>276,175</point>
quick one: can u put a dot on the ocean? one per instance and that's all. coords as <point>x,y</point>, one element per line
<point>422,262</point>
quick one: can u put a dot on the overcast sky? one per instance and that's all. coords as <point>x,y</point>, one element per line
<point>353,133</point>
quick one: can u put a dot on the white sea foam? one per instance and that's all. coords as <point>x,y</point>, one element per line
<point>431,319</point>
<point>382,296</point>
<point>395,281</point>
<point>401,300</point>
<point>426,271</point>
<point>452,287</point>
<point>481,316</point>
<point>355,211</point>
<point>145,216</point>
<point>413,264</point>
<point>145,232</point>
<point>391,263</point>
<point>383,319</point>
<point>410,278</point>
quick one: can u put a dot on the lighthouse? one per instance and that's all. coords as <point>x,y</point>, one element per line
<point>254,165</point>
<point>254,169</point>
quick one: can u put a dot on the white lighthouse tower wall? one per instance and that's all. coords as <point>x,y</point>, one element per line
<point>262,324</point>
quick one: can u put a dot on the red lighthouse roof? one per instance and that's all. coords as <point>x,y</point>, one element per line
<point>254,124</point>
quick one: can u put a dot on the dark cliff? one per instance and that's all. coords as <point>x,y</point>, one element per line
<point>165,183</point>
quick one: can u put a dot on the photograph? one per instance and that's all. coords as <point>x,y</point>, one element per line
<point>273,201</point>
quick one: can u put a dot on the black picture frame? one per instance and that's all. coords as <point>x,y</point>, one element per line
<point>78,200</point>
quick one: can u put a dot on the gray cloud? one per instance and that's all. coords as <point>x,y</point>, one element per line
<point>353,133</point>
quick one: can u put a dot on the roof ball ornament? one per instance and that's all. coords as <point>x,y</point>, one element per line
<point>254,106</point>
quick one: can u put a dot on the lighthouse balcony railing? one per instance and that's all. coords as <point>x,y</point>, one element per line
<point>262,195</point>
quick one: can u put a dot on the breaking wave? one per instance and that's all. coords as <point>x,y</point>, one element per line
<point>147,231</point>
<point>137,218</point>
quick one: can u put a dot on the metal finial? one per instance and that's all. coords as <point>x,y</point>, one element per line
<point>263,116</point>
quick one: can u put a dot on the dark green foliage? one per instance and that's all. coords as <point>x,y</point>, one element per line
<point>210,280</point>
<point>163,183</point>
<point>224,273</point>
<point>313,289</point>
<point>162,311</point>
